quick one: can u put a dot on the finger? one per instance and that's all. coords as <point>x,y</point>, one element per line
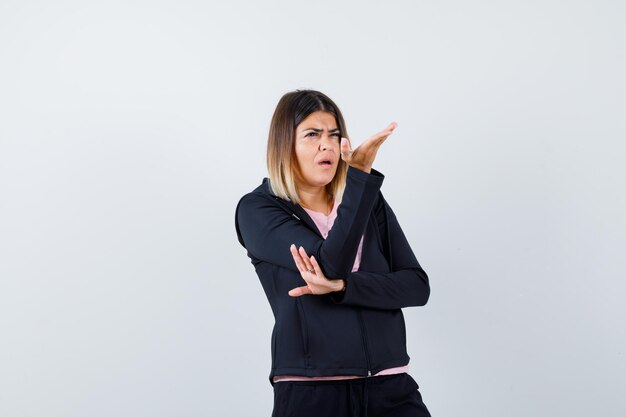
<point>374,141</point>
<point>388,130</point>
<point>298,259</point>
<point>316,267</point>
<point>380,137</point>
<point>307,261</point>
<point>298,291</point>
<point>381,140</point>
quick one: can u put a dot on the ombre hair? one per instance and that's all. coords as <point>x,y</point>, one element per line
<point>282,166</point>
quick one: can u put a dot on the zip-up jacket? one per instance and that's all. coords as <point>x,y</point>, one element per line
<point>359,331</point>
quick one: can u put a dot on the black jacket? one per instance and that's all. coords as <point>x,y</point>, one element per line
<point>357,332</point>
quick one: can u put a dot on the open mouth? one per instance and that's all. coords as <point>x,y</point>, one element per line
<point>325,162</point>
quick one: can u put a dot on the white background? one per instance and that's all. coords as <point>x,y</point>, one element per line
<point>129,130</point>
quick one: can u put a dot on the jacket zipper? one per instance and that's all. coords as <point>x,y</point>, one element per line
<point>365,350</point>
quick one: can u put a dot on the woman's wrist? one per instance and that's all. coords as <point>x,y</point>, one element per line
<point>341,285</point>
<point>366,169</point>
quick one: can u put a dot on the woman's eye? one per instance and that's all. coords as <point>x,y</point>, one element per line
<point>336,135</point>
<point>311,134</point>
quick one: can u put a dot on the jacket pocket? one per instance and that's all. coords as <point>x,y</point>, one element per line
<point>304,332</point>
<point>274,337</point>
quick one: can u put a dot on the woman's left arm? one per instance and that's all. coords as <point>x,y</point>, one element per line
<point>406,285</point>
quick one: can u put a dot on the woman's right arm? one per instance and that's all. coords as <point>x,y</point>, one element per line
<point>268,230</point>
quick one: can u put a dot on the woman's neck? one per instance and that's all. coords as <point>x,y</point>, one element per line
<point>316,199</point>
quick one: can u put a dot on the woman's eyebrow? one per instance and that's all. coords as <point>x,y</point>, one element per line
<point>320,130</point>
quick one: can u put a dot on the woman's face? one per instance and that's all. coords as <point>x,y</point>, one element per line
<point>317,149</point>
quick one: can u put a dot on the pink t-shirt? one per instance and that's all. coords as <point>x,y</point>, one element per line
<point>324,224</point>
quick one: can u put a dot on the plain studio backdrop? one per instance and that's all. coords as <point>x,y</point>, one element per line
<point>129,130</point>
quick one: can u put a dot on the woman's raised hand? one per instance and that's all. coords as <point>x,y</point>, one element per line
<point>311,272</point>
<point>363,156</point>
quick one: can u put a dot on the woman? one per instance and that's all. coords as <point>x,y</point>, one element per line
<point>335,267</point>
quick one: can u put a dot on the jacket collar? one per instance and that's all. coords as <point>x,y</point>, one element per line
<point>295,210</point>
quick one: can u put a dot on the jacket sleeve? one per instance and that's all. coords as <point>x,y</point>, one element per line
<point>268,230</point>
<point>406,286</point>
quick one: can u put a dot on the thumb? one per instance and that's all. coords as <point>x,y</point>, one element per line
<point>297,292</point>
<point>345,148</point>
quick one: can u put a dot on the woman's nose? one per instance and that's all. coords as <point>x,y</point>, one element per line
<point>325,143</point>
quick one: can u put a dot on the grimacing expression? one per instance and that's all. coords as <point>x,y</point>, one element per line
<point>317,148</point>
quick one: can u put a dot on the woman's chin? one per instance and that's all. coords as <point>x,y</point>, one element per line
<point>321,183</point>
<point>324,180</point>
<point>318,181</point>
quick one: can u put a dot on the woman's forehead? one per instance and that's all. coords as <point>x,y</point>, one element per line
<point>319,120</point>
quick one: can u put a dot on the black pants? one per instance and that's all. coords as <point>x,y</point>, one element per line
<point>378,396</point>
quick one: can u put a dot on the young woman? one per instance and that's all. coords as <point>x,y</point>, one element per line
<point>335,266</point>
